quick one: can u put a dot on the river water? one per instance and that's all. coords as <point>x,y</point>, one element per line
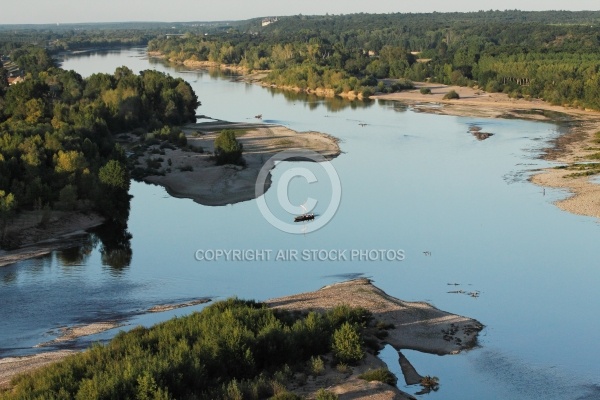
<point>461,210</point>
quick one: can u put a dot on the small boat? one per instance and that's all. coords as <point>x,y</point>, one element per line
<point>304,217</point>
<point>259,116</point>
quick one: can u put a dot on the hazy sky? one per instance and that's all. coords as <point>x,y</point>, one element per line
<point>63,11</point>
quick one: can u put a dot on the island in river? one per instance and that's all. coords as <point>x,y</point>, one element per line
<point>410,325</point>
<point>194,175</point>
<point>187,174</point>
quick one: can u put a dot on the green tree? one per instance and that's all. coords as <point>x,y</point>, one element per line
<point>114,175</point>
<point>347,344</point>
<point>8,206</point>
<point>3,79</point>
<point>68,198</point>
<point>228,150</point>
<point>113,199</point>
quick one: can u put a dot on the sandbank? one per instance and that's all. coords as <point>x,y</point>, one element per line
<point>417,325</point>
<point>208,184</point>
<point>31,239</point>
<point>568,149</point>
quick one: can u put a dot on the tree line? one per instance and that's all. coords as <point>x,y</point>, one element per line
<point>233,349</point>
<point>57,133</point>
<point>552,55</point>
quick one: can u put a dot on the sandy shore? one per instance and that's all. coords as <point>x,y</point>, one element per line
<point>213,185</point>
<point>13,366</point>
<point>417,325</point>
<point>62,231</point>
<point>569,149</point>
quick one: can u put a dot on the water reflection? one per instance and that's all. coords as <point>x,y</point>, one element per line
<point>77,255</point>
<point>393,105</point>
<point>332,104</point>
<point>116,250</point>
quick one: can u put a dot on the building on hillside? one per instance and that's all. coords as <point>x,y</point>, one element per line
<point>269,21</point>
<point>14,80</point>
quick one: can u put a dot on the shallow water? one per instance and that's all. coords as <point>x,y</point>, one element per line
<point>410,181</point>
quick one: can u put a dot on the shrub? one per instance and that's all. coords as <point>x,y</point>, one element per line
<point>317,366</point>
<point>323,394</point>
<point>425,90</point>
<point>286,396</point>
<point>430,383</point>
<point>343,313</point>
<point>367,92</point>
<point>451,95</point>
<point>343,368</point>
<point>381,375</point>
<point>347,344</point>
<point>228,150</point>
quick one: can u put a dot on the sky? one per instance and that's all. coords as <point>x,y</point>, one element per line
<point>73,11</point>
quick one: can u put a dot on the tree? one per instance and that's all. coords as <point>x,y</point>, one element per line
<point>347,344</point>
<point>8,206</point>
<point>113,199</point>
<point>228,150</point>
<point>114,175</point>
<point>3,79</point>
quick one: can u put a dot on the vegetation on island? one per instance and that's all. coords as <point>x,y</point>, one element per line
<point>552,55</point>
<point>233,349</point>
<point>228,150</point>
<point>58,146</point>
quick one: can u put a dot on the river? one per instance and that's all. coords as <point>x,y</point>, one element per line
<point>461,210</point>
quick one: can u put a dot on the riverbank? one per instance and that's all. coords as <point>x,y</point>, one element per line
<point>195,176</point>
<point>413,325</point>
<point>576,147</point>
<point>34,237</point>
<point>254,76</point>
<point>13,366</point>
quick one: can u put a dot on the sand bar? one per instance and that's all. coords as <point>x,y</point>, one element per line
<point>417,326</point>
<point>213,185</point>
<point>62,231</point>
<point>569,149</point>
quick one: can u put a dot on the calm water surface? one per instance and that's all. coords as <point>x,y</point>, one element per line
<point>410,181</point>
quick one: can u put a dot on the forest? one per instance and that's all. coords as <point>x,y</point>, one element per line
<point>58,132</point>
<point>552,55</point>
<point>233,349</point>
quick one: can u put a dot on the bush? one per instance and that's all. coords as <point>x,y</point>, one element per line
<point>343,313</point>
<point>451,95</point>
<point>425,90</point>
<point>343,368</point>
<point>317,366</point>
<point>381,375</point>
<point>347,344</point>
<point>228,150</point>
<point>286,396</point>
<point>367,92</point>
<point>323,394</point>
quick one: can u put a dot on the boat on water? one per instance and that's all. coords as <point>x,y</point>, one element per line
<point>304,217</point>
